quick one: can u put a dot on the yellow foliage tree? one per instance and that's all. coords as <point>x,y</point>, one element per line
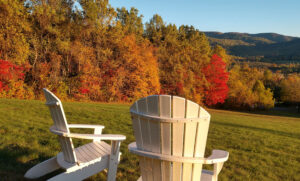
<point>14,46</point>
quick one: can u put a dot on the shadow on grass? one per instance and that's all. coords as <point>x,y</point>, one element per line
<point>287,112</point>
<point>275,132</point>
<point>11,166</point>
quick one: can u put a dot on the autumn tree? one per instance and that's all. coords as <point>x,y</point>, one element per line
<point>272,81</point>
<point>131,21</point>
<point>50,44</point>
<point>12,81</point>
<point>246,90</point>
<point>181,52</point>
<point>14,25</point>
<point>132,72</point>
<point>221,52</point>
<point>154,29</point>
<point>264,96</point>
<point>85,80</point>
<point>217,77</point>
<point>290,90</point>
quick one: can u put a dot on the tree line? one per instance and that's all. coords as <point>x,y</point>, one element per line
<point>97,53</point>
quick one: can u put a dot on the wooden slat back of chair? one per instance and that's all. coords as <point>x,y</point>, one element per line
<point>170,138</point>
<point>60,122</point>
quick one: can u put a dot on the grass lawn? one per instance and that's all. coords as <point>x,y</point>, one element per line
<point>262,147</point>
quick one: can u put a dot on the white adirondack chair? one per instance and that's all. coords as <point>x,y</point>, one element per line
<point>81,162</point>
<point>171,135</point>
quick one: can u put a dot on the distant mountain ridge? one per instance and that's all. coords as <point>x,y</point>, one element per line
<point>268,46</point>
<point>275,37</point>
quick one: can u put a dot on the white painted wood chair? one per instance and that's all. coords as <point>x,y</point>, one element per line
<point>171,135</point>
<point>81,162</point>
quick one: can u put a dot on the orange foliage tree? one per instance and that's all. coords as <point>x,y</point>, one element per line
<point>87,82</point>
<point>132,71</point>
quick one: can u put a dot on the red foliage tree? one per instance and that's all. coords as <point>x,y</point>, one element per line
<point>217,77</point>
<point>9,72</point>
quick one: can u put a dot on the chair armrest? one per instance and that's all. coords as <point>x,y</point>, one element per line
<point>112,137</point>
<point>85,126</point>
<point>217,156</point>
<point>97,128</point>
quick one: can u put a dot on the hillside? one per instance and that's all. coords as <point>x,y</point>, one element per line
<point>245,37</point>
<point>268,46</point>
<point>262,147</point>
<point>287,49</point>
<point>274,37</point>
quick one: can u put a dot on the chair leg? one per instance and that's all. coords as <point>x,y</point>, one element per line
<point>113,161</point>
<point>217,169</point>
<point>42,169</point>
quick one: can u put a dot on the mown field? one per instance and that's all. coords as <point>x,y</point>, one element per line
<point>262,147</point>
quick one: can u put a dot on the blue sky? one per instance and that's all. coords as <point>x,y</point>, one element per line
<point>250,16</point>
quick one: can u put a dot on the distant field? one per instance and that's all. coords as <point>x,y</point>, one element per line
<point>262,147</point>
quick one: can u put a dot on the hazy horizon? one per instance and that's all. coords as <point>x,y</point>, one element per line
<point>248,32</point>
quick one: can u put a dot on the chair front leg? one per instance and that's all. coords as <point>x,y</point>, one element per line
<point>217,169</point>
<point>113,160</point>
<point>97,131</point>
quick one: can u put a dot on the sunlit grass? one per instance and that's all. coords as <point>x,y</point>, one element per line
<point>262,147</point>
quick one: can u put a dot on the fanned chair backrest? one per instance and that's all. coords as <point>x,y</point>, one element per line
<point>184,135</point>
<point>60,123</point>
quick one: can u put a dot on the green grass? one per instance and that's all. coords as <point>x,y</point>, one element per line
<point>261,147</point>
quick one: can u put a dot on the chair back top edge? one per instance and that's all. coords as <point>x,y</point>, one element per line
<point>169,109</point>
<point>56,110</point>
